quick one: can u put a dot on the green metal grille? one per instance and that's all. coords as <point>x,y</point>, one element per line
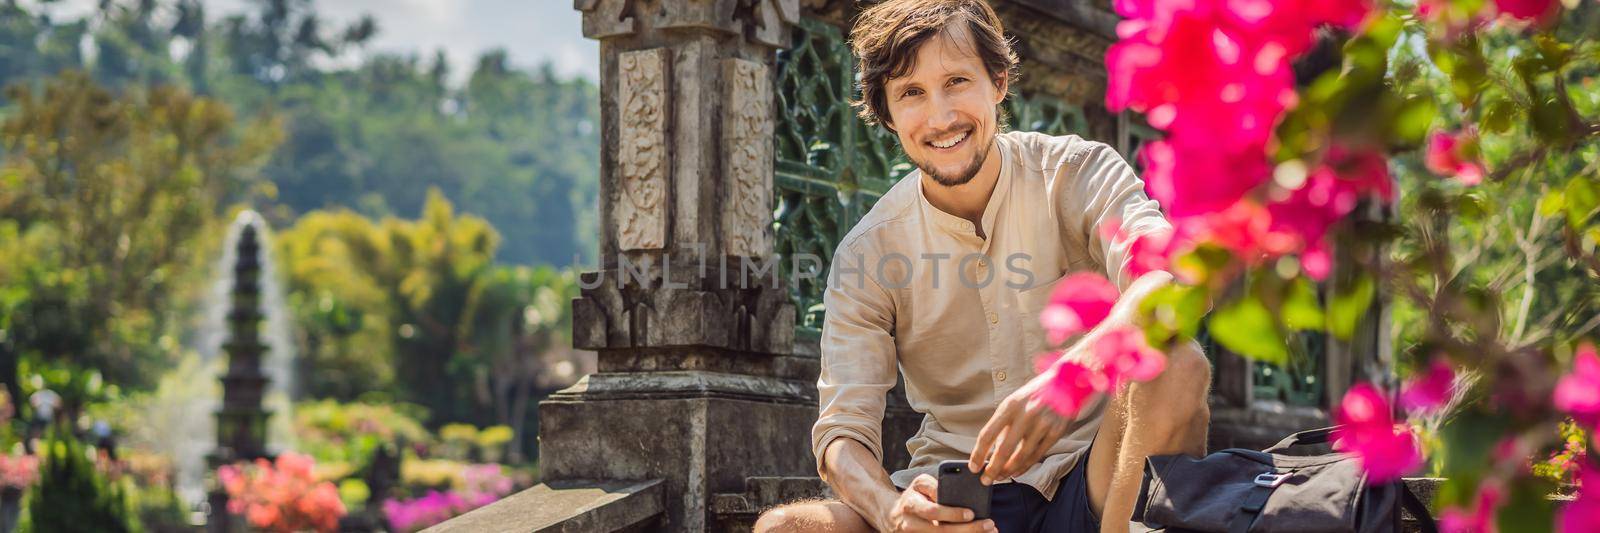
<point>831,167</point>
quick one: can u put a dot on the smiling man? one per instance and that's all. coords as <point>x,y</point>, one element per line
<point>915,289</point>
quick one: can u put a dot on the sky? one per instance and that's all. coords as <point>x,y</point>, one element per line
<point>531,31</point>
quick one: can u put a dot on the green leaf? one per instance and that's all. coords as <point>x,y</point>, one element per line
<point>1581,199</point>
<point>1300,310</point>
<point>1203,261</point>
<point>1551,120</point>
<point>1474,204</point>
<point>1246,327</point>
<point>1349,305</point>
<point>1175,311</point>
<point>1499,116</point>
<point>1413,119</point>
<point>1553,53</point>
<point>1551,203</point>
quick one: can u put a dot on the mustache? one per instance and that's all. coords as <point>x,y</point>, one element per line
<point>965,126</point>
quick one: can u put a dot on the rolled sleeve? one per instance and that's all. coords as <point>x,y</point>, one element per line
<point>1106,190</point>
<point>858,364</point>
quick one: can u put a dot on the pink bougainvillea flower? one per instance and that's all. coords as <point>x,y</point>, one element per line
<point>1531,10</point>
<point>1446,156</point>
<point>1077,304</point>
<point>1430,390</point>
<point>1479,519</point>
<point>1147,252</point>
<point>1578,393</point>
<point>1582,514</point>
<point>1126,357</point>
<point>1367,430</point>
<point>1198,182</point>
<point>1071,386</point>
<point>1328,194</point>
<point>1244,229</point>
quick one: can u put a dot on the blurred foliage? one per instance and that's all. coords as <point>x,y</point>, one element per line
<point>73,494</point>
<point>343,437</point>
<point>1504,242</point>
<point>106,203</point>
<point>364,130</point>
<point>418,309</point>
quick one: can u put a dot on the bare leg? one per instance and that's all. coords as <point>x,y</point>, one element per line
<point>816,516</point>
<point>1167,415</point>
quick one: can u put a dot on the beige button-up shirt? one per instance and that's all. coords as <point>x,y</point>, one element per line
<point>916,288</point>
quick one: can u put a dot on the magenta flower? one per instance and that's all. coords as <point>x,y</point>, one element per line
<point>1329,192</point>
<point>1077,304</point>
<point>1480,519</point>
<point>1148,252</point>
<point>1071,386</point>
<point>1215,75</point>
<point>1446,156</point>
<point>1583,513</point>
<point>1430,390</point>
<point>1386,450</point>
<point>1578,393</point>
<point>1532,10</point>
<point>1126,357</point>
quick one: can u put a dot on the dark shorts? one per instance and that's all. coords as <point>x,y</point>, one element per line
<point>1019,508</point>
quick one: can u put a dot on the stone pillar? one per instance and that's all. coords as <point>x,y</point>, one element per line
<point>697,385</point>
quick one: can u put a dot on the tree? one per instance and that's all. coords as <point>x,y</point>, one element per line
<point>111,200</point>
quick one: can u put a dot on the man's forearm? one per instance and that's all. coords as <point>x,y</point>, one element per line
<point>1126,311</point>
<point>860,480</point>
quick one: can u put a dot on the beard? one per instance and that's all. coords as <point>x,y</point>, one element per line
<point>959,177</point>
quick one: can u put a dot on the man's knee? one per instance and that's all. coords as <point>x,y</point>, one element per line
<point>1181,390</point>
<point>777,519</point>
<point>815,516</point>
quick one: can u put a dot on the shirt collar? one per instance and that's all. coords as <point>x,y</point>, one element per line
<point>990,210</point>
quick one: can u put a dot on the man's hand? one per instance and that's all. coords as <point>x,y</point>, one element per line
<point>916,510</point>
<point>1019,433</point>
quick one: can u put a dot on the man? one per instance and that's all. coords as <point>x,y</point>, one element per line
<point>945,278</point>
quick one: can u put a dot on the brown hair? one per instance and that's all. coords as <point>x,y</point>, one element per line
<point>886,37</point>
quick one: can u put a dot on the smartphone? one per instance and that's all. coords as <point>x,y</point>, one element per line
<point>959,487</point>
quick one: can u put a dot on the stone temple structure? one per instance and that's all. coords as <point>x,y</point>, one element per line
<point>728,151</point>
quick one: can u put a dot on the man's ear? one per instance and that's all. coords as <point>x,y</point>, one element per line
<point>1002,82</point>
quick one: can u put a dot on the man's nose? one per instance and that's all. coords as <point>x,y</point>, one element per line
<point>943,115</point>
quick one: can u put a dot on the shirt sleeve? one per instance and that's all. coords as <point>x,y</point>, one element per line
<point>1104,189</point>
<point>858,364</point>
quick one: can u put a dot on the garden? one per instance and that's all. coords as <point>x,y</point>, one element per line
<point>380,367</point>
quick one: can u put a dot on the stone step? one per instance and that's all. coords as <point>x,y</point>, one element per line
<point>568,507</point>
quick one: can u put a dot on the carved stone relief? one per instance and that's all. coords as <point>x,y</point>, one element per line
<point>641,209</point>
<point>606,18</point>
<point>747,164</point>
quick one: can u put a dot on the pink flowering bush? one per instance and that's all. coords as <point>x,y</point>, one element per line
<point>281,495</point>
<point>481,484</point>
<point>1317,156</point>
<point>18,471</point>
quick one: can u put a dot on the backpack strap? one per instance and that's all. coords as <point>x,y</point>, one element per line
<point>1412,504</point>
<point>1255,500</point>
<point>1310,436</point>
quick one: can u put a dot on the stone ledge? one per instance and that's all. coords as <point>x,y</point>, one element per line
<point>567,506</point>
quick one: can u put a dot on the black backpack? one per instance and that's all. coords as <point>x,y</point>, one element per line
<point>1238,491</point>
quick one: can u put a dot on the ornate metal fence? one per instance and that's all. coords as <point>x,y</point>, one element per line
<point>831,168</point>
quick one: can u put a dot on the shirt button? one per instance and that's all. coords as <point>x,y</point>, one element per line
<point>994,318</point>
<point>1000,376</point>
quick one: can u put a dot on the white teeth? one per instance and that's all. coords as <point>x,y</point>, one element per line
<point>951,142</point>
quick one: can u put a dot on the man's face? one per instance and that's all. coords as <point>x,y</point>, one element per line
<point>943,110</point>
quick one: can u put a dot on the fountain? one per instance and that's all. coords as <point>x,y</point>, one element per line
<point>244,317</point>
